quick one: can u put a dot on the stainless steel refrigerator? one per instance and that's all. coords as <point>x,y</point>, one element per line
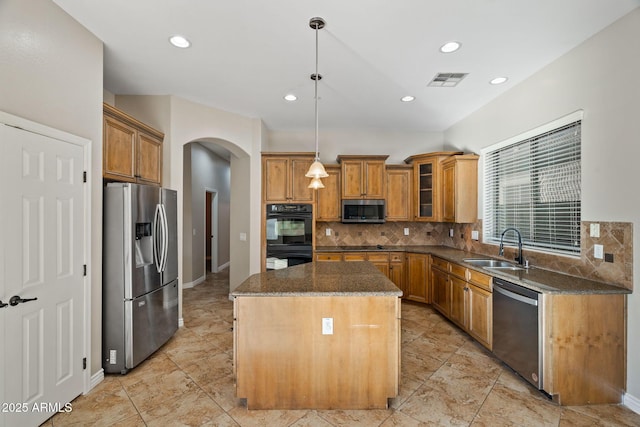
<point>140,273</point>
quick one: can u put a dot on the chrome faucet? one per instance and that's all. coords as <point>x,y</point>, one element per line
<point>519,258</point>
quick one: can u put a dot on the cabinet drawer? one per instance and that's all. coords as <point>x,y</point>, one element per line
<point>354,256</point>
<point>378,256</point>
<point>481,280</point>
<point>329,256</point>
<point>458,270</point>
<point>396,257</point>
<point>440,263</point>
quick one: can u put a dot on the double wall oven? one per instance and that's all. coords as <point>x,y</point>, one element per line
<point>289,233</point>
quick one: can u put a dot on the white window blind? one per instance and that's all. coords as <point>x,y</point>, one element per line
<point>534,185</point>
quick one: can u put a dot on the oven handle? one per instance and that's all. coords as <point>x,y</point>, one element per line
<point>289,215</point>
<point>515,296</point>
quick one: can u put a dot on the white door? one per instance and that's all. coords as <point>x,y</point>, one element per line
<point>42,233</point>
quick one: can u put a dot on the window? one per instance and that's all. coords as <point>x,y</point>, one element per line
<point>532,183</point>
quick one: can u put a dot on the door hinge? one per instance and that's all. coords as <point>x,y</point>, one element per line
<point>84,176</point>
<point>84,270</point>
<point>84,363</point>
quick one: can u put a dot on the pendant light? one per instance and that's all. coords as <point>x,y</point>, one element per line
<point>316,170</point>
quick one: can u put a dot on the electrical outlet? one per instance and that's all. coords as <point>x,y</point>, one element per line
<point>598,251</point>
<point>243,237</point>
<point>327,232</point>
<point>327,326</point>
<point>608,257</point>
<point>594,230</point>
<point>406,231</point>
<point>474,235</point>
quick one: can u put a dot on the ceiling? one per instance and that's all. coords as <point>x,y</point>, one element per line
<point>247,54</point>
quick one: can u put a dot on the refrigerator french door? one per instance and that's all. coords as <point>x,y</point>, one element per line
<point>140,273</point>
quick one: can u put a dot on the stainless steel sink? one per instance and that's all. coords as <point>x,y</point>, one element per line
<point>492,264</point>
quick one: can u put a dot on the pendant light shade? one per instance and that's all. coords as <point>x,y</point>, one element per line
<point>316,183</point>
<point>316,170</point>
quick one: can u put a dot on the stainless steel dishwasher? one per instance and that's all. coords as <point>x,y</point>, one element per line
<point>516,329</point>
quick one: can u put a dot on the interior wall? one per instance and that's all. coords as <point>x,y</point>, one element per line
<point>183,122</point>
<point>51,73</point>
<point>208,171</point>
<point>398,145</point>
<point>592,77</point>
<point>187,217</point>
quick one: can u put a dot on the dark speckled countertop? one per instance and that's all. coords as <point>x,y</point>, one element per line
<point>320,279</point>
<point>538,279</point>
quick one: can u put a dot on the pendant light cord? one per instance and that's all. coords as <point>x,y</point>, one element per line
<point>316,94</point>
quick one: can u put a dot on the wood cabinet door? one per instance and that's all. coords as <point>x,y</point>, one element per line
<point>425,178</point>
<point>274,179</point>
<point>119,150</point>
<point>374,179</point>
<point>458,301</point>
<point>441,291</point>
<point>417,277</point>
<point>328,198</point>
<point>480,315</point>
<point>449,193</point>
<point>399,194</point>
<point>149,164</point>
<point>352,186</point>
<point>382,266</point>
<point>300,191</point>
<point>396,275</point>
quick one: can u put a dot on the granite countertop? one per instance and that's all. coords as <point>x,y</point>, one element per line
<point>537,279</point>
<point>320,279</point>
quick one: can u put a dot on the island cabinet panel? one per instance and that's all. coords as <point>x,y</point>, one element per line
<point>584,348</point>
<point>284,361</point>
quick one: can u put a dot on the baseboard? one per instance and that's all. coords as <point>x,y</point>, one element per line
<point>196,282</point>
<point>96,379</point>
<point>223,266</point>
<point>631,402</point>
<point>180,322</point>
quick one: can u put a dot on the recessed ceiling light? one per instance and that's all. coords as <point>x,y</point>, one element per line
<point>407,98</point>
<point>290,97</point>
<point>179,41</point>
<point>450,47</point>
<point>498,80</point>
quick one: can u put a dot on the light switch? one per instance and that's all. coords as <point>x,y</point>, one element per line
<point>451,232</point>
<point>327,232</point>
<point>474,234</point>
<point>598,251</point>
<point>327,326</point>
<point>243,236</point>
<point>406,231</point>
<point>594,230</point>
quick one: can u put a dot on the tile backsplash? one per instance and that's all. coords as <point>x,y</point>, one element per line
<point>616,237</point>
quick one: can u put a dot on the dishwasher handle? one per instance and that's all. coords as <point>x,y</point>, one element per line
<point>513,295</point>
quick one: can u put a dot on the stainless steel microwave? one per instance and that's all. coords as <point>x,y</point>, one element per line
<point>363,211</point>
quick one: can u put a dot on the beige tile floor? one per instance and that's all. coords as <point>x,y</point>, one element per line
<point>447,380</point>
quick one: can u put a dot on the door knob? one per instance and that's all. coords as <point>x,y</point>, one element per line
<point>15,300</point>
<point>3,304</point>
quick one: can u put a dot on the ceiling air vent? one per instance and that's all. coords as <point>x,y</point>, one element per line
<point>447,79</point>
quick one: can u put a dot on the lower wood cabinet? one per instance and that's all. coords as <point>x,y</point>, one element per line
<point>396,270</point>
<point>464,297</point>
<point>417,277</point>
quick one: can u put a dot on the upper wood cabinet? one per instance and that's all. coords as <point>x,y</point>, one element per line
<point>460,188</point>
<point>132,151</point>
<point>283,179</point>
<point>427,175</point>
<point>328,198</point>
<point>363,177</point>
<point>399,192</point>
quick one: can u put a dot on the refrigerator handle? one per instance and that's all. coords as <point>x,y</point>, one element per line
<point>156,250</point>
<point>165,237</point>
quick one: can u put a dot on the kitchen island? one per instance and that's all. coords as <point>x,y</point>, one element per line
<point>317,336</point>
